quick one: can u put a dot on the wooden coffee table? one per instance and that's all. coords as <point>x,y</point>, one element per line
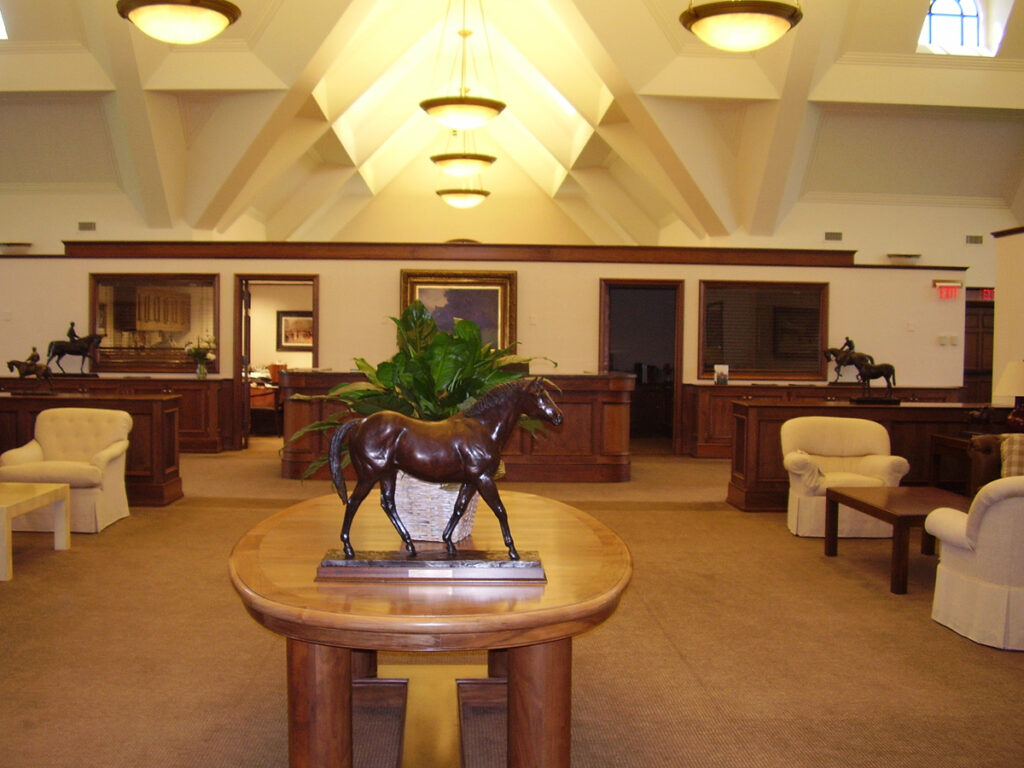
<point>903,506</point>
<point>21,498</point>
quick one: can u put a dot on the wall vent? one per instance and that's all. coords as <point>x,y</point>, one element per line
<point>833,235</point>
<point>87,226</point>
<point>975,239</point>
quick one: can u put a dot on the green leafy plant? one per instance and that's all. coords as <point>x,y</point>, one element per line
<point>433,375</point>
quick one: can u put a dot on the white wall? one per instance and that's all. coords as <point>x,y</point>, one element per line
<point>267,301</point>
<point>937,232</point>
<point>1008,338</point>
<point>893,314</point>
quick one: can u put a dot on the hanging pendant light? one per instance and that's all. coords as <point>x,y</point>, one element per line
<point>468,162</point>
<point>741,25</point>
<point>182,22</point>
<point>463,112</point>
<point>463,198</point>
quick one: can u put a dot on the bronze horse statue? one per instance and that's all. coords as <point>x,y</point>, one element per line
<point>84,346</point>
<point>868,371</point>
<point>464,448</point>
<point>843,356</point>
<point>24,369</point>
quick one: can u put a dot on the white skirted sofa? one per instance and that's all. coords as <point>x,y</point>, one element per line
<point>979,584</point>
<point>83,447</point>
<point>822,452</point>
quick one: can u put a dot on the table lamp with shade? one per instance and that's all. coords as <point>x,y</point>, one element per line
<point>1011,384</point>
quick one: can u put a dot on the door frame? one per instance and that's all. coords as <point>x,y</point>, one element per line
<point>604,341</point>
<point>241,415</point>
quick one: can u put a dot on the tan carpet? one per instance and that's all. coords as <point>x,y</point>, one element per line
<point>736,645</point>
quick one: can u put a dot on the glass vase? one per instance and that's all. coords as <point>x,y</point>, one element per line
<point>201,369</point>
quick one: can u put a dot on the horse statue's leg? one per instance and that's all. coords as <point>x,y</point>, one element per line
<point>351,507</point>
<point>387,503</point>
<point>489,493</point>
<point>461,502</point>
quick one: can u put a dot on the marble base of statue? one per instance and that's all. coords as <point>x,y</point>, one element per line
<point>469,566</point>
<point>869,400</point>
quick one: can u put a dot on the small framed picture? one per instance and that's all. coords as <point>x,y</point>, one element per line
<point>486,298</point>
<point>294,331</point>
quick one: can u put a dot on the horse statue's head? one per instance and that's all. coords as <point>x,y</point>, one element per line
<point>10,365</point>
<point>537,403</point>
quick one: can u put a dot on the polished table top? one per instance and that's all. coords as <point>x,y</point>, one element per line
<point>273,567</point>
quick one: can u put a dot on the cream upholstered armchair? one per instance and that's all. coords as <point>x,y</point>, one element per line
<point>83,447</point>
<point>822,452</point>
<point>979,584</point>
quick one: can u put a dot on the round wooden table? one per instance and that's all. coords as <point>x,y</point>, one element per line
<point>273,568</point>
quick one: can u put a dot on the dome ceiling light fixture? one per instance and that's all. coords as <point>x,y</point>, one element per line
<point>741,25</point>
<point>463,112</point>
<point>181,22</point>
<point>468,162</point>
<point>463,198</point>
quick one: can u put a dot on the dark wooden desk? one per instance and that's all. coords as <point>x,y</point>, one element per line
<point>759,482</point>
<point>950,463</point>
<point>273,568</point>
<point>151,475</point>
<point>592,446</point>
<point>903,506</point>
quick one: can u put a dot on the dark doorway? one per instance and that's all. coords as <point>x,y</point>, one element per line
<point>641,332</point>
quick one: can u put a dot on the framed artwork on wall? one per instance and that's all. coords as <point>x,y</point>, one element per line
<point>294,331</point>
<point>486,298</point>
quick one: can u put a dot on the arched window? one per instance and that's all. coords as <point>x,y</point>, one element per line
<point>952,26</point>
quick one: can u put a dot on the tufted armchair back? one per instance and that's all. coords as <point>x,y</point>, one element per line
<point>834,438</point>
<point>78,434</point>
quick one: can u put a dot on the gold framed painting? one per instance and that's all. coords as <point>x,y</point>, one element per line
<point>486,298</point>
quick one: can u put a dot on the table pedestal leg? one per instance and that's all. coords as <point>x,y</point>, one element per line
<point>319,705</point>
<point>540,705</point>
<point>831,527</point>
<point>900,558</point>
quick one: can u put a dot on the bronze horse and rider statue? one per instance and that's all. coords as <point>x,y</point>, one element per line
<point>76,346</point>
<point>464,448</point>
<point>846,355</point>
<point>867,368</point>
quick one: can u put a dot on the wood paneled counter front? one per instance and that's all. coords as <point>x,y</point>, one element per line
<point>759,482</point>
<point>591,446</point>
<point>273,569</point>
<point>151,475</point>
<point>205,423</point>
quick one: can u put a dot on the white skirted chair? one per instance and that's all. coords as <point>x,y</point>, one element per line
<point>83,447</point>
<point>822,452</point>
<point>979,584</point>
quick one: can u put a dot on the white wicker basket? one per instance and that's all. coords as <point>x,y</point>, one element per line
<point>426,507</point>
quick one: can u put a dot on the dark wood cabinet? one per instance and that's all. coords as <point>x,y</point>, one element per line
<point>152,476</point>
<point>205,420</point>
<point>591,446</point>
<point>707,415</point>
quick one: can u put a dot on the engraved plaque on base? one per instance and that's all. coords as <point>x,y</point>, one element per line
<point>469,566</point>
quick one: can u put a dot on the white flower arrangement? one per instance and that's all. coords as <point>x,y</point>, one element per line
<point>201,350</point>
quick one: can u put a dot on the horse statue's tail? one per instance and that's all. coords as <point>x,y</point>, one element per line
<point>49,351</point>
<point>334,457</point>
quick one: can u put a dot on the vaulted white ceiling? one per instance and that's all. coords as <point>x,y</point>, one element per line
<point>303,114</point>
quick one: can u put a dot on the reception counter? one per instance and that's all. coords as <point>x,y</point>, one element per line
<point>591,446</point>
<point>759,483</point>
